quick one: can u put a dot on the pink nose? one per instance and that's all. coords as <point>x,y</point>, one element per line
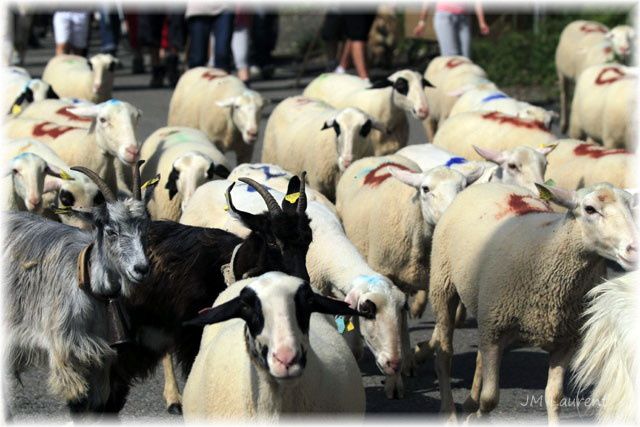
<point>285,356</point>
<point>252,133</point>
<point>394,364</point>
<point>423,112</point>
<point>34,201</point>
<point>133,151</point>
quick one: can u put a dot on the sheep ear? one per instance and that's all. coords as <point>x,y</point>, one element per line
<point>226,102</point>
<point>426,83</point>
<point>353,297</point>
<point>90,111</point>
<point>328,124</point>
<point>412,179</point>
<point>494,156</point>
<point>559,196</point>
<point>379,84</point>
<point>51,94</point>
<point>208,316</point>
<point>325,305</point>
<point>219,170</point>
<point>290,201</point>
<point>546,149</point>
<point>171,183</point>
<point>473,175</point>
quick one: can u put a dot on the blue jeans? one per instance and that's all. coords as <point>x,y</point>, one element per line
<point>109,31</point>
<point>454,33</point>
<point>200,28</point>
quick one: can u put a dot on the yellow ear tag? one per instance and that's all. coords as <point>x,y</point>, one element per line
<point>16,109</point>
<point>291,198</point>
<point>544,193</point>
<point>150,182</point>
<point>226,208</point>
<point>65,176</point>
<point>350,326</point>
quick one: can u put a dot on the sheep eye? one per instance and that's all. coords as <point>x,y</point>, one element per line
<point>512,166</point>
<point>590,210</point>
<point>402,86</point>
<point>15,172</point>
<point>102,119</point>
<point>425,189</point>
<point>66,198</point>
<point>365,129</point>
<point>368,309</point>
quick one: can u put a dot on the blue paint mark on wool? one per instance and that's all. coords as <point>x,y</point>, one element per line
<point>267,172</point>
<point>494,96</point>
<point>455,161</point>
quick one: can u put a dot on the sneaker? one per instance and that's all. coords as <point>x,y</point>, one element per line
<point>339,70</point>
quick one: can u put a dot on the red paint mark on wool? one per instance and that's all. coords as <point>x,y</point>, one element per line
<point>593,28</point>
<point>595,151</point>
<point>614,74</point>
<point>515,121</point>
<point>374,179</point>
<point>64,111</point>
<point>210,75</point>
<point>454,62</point>
<point>50,129</point>
<point>302,100</point>
<point>522,205</point>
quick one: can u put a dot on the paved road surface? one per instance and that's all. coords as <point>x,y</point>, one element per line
<point>523,372</point>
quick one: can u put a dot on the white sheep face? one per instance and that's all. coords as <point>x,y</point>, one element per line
<point>28,173</point>
<point>352,128</point>
<point>376,296</point>
<point>245,113</point>
<point>622,40</point>
<point>608,219</point>
<point>103,66</point>
<point>437,187</point>
<point>408,93</point>
<point>189,171</point>
<point>115,125</point>
<point>39,88</point>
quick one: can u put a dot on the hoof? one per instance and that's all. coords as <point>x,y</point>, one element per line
<point>394,387</point>
<point>175,409</point>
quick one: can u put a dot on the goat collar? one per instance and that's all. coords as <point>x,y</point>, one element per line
<point>84,269</point>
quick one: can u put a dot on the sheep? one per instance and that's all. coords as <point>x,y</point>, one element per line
<point>187,273</point>
<point>452,76</point>
<point>273,176</point>
<point>271,357</point>
<point>221,106</point>
<point>607,357</point>
<point>522,271</point>
<point>295,139</point>
<point>335,267</point>
<point>57,111</point>
<point>385,101</point>
<point>495,100</point>
<point>72,190</point>
<point>390,221</point>
<point>185,159</point>
<point>21,90</point>
<point>581,45</point>
<point>522,166</point>
<point>24,182</point>
<point>64,290</point>
<point>604,106</point>
<point>74,76</point>
<point>111,134</point>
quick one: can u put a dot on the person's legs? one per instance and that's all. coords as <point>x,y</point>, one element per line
<point>199,30</point>
<point>345,57</point>
<point>464,35</point>
<point>61,31</point>
<point>79,32</point>
<point>357,28</point>
<point>446,34</point>
<point>240,48</point>
<point>222,31</point>
<point>358,51</point>
<point>109,31</point>
<point>176,44</point>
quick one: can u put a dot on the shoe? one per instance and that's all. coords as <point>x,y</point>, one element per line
<point>157,76</point>
<point>173,74</point>
<point>339,70</point>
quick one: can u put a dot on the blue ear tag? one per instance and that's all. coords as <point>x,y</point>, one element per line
<point>340,323</point>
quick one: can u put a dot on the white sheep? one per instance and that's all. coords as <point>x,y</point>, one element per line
<point>604,106</point>
<point>391,221</point>
<point>335,267</point>
<point>273,176</point>
<point>522,166</point>
<point>20,90</point>
<point>111,135</point>
<point>265,355</point>
<point>386,101</point>
<point>495,100</point>
<point>523,270</point>
<point>185,159</point>
<point>221,106</point>
<point>607,357</point>
<point>79,192</point>
<point>581,45</point>
<point>307,134</point>
<point>74,76</point>
<point>452,76</point>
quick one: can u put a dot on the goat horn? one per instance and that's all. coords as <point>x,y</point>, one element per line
<point>137,192</point>
<point>228,197</point>
<point>271,203</point>
<point>302,200</point>
<point>102,186</point>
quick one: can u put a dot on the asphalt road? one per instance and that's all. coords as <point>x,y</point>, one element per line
<point>524,371</point>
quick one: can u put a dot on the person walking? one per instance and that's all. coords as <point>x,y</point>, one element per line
<point>71,31</point>
<point>356,30</point>
<point>202,19</point>
<point>452,24</point>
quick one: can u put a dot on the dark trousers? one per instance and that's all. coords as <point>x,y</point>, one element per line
<point>109,32</point>
<point>200,28</point>
<point>150,30</point>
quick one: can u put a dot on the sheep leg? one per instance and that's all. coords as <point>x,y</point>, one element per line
<point>444,354</point>
<point>562,83</point>
<point>461,315</point>
<point>419,303</point>
<point>171,391</point>
<point>553,392</point>
<point>408,362</point>
<point>393,386</point>
<point>490,381</point>
<point>471,404</point>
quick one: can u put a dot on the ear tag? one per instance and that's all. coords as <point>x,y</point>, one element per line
<point>291,198</point>
<point>150,182</point>
<point>16,109</point>
<point>340,324</point>
<point>544,194</point>
<point>62,211</point>
<point>65,176</point>
<point>350,326</point>
<point>226,208</point>
<point>550,183</point>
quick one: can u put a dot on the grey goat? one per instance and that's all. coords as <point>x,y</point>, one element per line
<point>60,281</point>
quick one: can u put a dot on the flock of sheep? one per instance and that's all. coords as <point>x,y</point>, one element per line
<point>123,254</point>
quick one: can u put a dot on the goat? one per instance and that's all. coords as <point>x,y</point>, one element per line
<point>62,285</point>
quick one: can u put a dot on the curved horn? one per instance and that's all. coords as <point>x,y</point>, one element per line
<point>228,197</point>
<point>302,200</point>
<point>271,203</point>
<point>137,192</point>
<point>102,186</point>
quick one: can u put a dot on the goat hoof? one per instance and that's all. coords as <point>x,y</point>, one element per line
<point>175,409</point>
